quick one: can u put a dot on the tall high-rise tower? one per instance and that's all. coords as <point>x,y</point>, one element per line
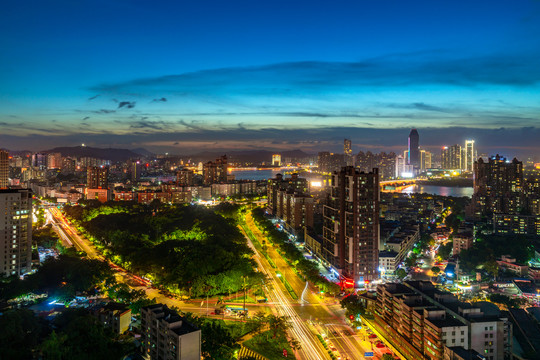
<point>347,150</point>
<point>97,177</point>
<point>347,147</point>
<point>4,169</point>
<point>470,156</point>
<point>351,224</point>
<point>451,157</point>
<point>498,186</point>
<point>15,231</point>
<point>414,149</point>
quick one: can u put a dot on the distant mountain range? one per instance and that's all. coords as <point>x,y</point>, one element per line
<point>248,156</point>
<point>99,153</point>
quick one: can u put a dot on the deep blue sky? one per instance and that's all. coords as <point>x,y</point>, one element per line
<point>183,76</point>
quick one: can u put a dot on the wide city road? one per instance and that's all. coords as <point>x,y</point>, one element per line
<point>319,315</point>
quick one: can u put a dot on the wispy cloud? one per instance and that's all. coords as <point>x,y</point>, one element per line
<point>103,111</point>
<point>127,104</point>
<point>314,76</point>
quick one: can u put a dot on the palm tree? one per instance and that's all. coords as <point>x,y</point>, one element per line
<point>259,320</point>
<point>278,324</point>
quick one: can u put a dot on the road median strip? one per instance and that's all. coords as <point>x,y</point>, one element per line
<point>287,285</point>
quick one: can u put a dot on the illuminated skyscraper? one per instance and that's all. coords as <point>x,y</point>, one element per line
<point>425,160</point>
<point>498,186</point>
<point>4,169</point>
<point>97,177</point>
<point>414,149</point>
<point>470,156</point>
<point>15,232</point>
<point>54,161</point>
<point>351,225</point>
<point>451,157</point>
<point>136,168</point>
<point>329,162</point>
<point>347,147</point>
<point>215,171</point>
<point>276,160</point>
<point>39,160</point>
<point>347,150</point>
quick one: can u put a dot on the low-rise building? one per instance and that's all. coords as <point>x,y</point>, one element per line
<point>165,335</point>
<point>508,263</point>
<point>115,316</point>
<point>101,195</point>
<point>388,262</point>
<point>313,242</point>
<point>462,241</point>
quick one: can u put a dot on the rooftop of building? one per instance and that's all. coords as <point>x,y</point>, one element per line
<point>111,307</point>
<point>387,254</point>
<point>525,286</point>
<point>462,353</point>
<point>14,190</point>
<point>170,316</point>
<point>526,326</point>
<point>447,322</point>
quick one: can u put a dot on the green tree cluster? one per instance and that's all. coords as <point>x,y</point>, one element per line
<point>445,250</point>
<point>217,343</point>
<point>45,237</point>
<point>190,248</point>
<point>488,248</point>
<point>507,301</point>
<point>73,334</point>
<point>61,278</point>
<point>353,305</point>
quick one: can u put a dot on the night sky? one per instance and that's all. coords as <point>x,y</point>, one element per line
<point>185,76</point>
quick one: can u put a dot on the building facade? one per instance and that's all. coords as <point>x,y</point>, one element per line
<point>351,225</point>
<point>451,157</point>
<point>423,321</point>
<point>329,162</point>
<point>469,156</point>
<point>289,200</point>
<point>215,171</point>
<point>15,231</point>
<point>97,177</point>
<point>414,149</point>
<point>4,169</point>
<point>498,186</point>
<point>184,177</point>
<point>165,335</point>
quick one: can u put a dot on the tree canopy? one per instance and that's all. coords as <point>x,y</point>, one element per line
<point>190,248</point>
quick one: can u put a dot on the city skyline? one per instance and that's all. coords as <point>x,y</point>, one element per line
<point>247,76</point>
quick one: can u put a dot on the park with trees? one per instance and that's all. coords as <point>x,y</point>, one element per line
<point>73,334</point>
<point>190,250</point>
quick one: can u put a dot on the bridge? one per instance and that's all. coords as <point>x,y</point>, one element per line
<point>396,185</point>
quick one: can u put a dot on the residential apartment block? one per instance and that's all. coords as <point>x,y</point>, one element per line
<point>423,321</point>
<point>351,225</point>
<point>15,231</point>
<point>168,336</point>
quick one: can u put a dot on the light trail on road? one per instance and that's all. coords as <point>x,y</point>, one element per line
<point>311,349</point>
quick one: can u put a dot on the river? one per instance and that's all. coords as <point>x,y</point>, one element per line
<point>256,174</point>
<point>430,189</point>
<point>439,190</point>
